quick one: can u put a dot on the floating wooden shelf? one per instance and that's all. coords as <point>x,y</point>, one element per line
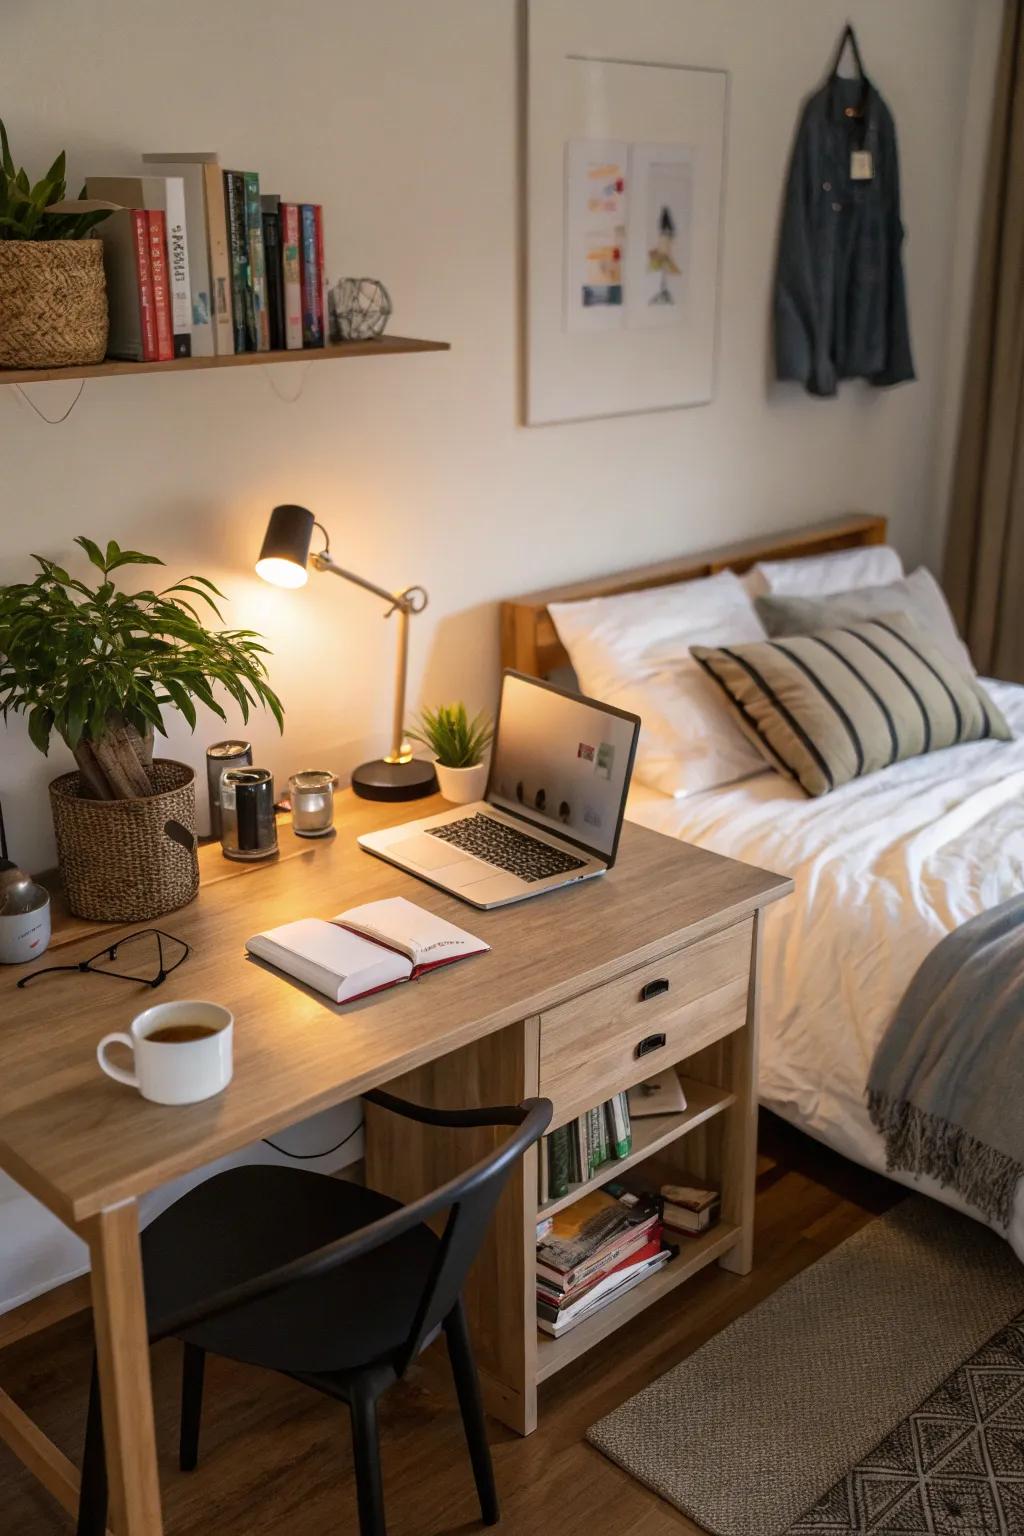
<point>650,1134</point>
<point>383,346</point>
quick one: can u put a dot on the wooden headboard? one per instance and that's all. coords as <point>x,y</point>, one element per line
<point>529,640</point>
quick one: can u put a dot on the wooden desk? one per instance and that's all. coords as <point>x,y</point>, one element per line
<point>553,1008</point>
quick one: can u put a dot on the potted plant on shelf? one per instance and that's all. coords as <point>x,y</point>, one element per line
<point>53,296</point>
<point>98,666</point>
<point>459,744</point>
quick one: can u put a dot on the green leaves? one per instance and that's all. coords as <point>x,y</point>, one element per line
<point>80,659</point>
<point>455,740</point>
<point>23,207</point>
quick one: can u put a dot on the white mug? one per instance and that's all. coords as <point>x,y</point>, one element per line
<point>180,1071</point>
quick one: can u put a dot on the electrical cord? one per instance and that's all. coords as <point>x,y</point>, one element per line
<point>311,1157</point>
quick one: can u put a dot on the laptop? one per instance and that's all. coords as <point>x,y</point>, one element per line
<point>552,811</point>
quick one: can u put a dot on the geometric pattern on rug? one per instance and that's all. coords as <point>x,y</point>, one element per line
<point>954,1467</point>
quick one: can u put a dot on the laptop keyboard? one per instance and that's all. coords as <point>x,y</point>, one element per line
<point>507,848</point>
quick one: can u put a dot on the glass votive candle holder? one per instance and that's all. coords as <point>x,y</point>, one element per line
<point>312,796</point>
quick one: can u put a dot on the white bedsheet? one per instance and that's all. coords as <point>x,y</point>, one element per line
<point>884,868</point>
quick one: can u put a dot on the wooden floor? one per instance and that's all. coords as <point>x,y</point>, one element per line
<point>276,1458</point>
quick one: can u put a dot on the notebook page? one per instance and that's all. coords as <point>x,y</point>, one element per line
<point>335,962</point>
<point>424,937</point>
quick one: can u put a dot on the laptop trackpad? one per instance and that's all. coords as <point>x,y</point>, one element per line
<point>428,852</point>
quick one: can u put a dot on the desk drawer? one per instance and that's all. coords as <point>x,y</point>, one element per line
<point>589,1046</point>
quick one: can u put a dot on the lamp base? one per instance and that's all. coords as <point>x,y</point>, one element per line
<point>381,780</point>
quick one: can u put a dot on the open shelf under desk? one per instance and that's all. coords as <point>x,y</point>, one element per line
<point>650,1134</point>
<point>694,1253</point>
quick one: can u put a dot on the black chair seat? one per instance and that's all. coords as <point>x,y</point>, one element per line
<point>247,1221</point>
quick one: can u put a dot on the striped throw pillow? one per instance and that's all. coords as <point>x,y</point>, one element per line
<point>829,707</point>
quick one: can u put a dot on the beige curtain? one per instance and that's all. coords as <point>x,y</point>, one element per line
<point>984,566</point>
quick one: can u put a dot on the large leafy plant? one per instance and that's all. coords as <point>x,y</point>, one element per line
<point>455,740</point>
<point>98,665</point>
<point>24,207</point>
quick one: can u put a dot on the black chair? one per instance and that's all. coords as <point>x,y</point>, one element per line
<point>328,1282</point>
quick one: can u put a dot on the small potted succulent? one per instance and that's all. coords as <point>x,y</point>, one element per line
<point>459,745</point>
<point>53,295</point>
<point>98,666</point>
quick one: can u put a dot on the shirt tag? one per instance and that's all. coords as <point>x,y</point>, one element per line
<point>861,165</point>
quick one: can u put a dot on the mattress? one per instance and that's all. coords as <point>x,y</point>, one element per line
<point>883,868</point>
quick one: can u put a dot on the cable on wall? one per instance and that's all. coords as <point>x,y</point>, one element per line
<point>52,421</point>
<point>268,374</point>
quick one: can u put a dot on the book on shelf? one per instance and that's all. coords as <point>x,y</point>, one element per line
<point>556,1288</point>
<point>690,1208</point>
<point>611,1288</point>
<point>256,318</point>
<point>575,1152</point>
<point>163,196</point>
<point>291,274</point>
<point>591,1233</point>
<point>206,238</point>
<point>659,1095</point>
<point>364,949</point>
<point>238,256</point>
<point>311,267</point>
<point>125,238</point>
<point>275,276</point>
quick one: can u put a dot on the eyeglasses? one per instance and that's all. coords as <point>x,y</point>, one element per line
<point>147,957</point>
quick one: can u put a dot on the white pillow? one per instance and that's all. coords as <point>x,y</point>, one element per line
<point>633,650</point>
<point>822,575</point>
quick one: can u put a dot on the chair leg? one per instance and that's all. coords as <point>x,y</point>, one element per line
<point>92,1498</point>
<point>192,1368</point>
<point>467,1385</point>
<point>366,1450</point>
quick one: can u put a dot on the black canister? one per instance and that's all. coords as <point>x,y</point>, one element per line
<point>248,828</point>
<point>219,758</point>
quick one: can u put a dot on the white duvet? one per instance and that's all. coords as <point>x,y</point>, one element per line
<point>884,868</point>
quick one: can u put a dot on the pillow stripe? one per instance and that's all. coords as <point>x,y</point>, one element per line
<point>935,673</point>
<point>830,698</point>
<point>858,674</point>
<point>904,679</point>
<point>790,719</point>
<point>753,729</point>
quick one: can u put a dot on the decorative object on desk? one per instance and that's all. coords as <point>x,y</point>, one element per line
<point>146,650</point>
<point>282,561</point>
<point>221,756</point>
<point>312,800</point>
<point>248,829</point>
<point>53,297</point>
<point>359,308</point>
<point>182,1052</point>
<point>459,744</point>
<point>24,911</point>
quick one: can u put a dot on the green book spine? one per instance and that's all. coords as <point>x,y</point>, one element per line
<point>618,1126</point>
<point>558,1163</point>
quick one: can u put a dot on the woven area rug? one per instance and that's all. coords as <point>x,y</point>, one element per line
<point>776,1424</point>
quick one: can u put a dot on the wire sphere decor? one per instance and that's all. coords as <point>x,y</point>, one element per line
<point>359,307</point>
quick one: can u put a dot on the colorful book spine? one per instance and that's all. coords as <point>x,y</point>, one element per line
<point>291,271</point>
<point>147,313</point>
<point>620,1134</point>
<point>275,275</point>
<point>312,283</point>
<point>238,251</point>
<point>178,279</point>
<point>558,1163</point>
<point>257,322</point>
<point>161,287</point>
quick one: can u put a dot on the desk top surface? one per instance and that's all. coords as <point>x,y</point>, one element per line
<point>81,1142</point>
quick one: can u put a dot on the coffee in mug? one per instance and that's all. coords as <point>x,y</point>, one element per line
<point>182,1052</point>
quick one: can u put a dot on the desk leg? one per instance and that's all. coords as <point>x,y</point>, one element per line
<point>739,1161</point>
<point>122,1348</point>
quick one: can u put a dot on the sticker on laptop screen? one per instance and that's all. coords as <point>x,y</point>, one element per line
<point>605,759</point>
<point>592,815</point>
<point>585,752</point>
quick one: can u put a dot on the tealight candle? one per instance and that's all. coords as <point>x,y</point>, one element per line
<point>312,796</point>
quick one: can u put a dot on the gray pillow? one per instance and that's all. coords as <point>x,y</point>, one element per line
<point>917,597</point>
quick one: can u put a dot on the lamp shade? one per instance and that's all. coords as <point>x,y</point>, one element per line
<point>285,548</point>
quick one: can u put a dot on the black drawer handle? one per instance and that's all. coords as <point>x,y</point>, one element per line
<point>648,1044</point>
<point>654,988</point>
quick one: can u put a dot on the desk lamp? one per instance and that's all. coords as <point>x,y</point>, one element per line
<point>282,561</point>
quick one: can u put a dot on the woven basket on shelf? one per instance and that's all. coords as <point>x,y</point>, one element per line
<point>53,303</point>
<point>117,860</point>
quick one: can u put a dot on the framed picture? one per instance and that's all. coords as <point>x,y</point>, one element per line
<point>624,164</point>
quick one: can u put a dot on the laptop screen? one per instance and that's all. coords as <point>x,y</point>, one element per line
<point>562,762</point>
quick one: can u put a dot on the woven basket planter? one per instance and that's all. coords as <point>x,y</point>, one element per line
<point>53,303</point>
<point>117,861</point>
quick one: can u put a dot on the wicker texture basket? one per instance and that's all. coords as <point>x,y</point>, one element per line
<point>117,861</point>
<point>53,303</point>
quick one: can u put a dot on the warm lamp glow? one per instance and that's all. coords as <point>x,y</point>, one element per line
<point>282,573</point>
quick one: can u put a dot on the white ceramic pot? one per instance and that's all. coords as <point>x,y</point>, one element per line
<point>24,935</point>
<point>462,785</point>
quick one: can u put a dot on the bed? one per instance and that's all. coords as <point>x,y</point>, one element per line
<point>883,867</point>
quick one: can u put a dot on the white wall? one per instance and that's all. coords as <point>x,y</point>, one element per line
<point>400,116</point>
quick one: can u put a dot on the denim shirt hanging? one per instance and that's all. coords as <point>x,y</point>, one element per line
<point>840,299</point>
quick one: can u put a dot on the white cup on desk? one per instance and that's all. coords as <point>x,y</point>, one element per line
<point>182,1052</point>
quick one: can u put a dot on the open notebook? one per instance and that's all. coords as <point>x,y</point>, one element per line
<point>364,949</point>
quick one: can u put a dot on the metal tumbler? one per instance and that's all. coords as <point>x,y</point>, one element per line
<point>248,828</point>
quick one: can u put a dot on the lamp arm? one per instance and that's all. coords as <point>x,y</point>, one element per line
<point>326,562</point>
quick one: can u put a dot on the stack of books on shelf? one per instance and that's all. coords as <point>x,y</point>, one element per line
<point>200,263</point>
<point>593,1253</point>
<point>575,1152</point>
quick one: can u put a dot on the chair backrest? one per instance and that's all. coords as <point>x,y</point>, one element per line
<point>469,1199</point>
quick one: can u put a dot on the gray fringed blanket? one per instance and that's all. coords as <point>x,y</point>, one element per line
<point>946,1087</point>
